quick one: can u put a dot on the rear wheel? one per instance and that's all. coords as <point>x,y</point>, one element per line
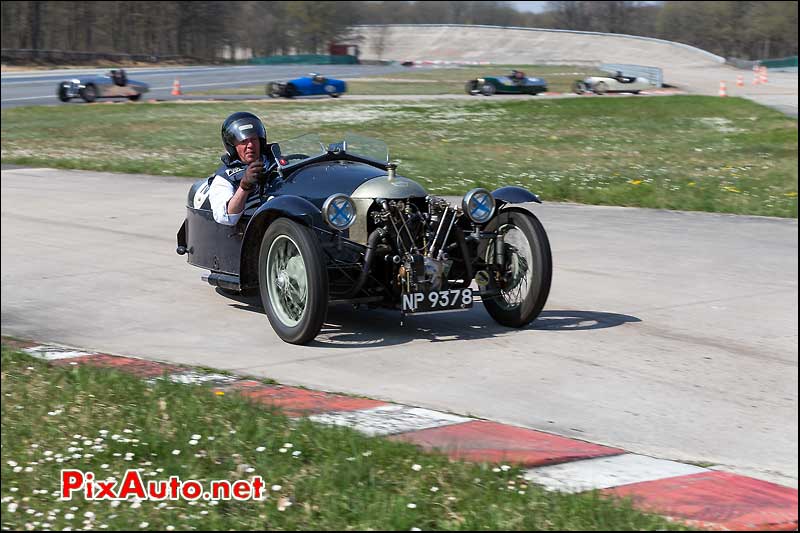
<point>524,289</point>
<point>293,281</point>
<point>291,91</point>
<point>600,87</point>
<point>134,97</point>
<point>89,93</point>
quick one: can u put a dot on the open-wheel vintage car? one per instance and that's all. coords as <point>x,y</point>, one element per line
<point>611,84</point>
<point>516,83</point>
<point>115,84</point>
<point>311,85</point>
<point>336,224</point>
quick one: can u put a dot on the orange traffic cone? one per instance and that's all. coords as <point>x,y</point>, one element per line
<point>764,78</point>
<point>740,81</point>
<point>722,89</point>
<point>176,88</point>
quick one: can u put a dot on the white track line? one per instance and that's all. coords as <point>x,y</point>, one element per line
<point>53,352</point>
<point>389,419</point>
<point>607,472</point>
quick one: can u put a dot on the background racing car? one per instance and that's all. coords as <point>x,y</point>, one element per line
<point>311,85</point>
<point>516,83</point>
<point>337,225</point>
<point>611,84</point>
<point>115,84</point>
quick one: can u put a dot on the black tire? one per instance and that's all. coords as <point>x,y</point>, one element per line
<point>487,89</point>
<point>89,93</point>
<point>135,97</point>
<point>526,311</point>
<point>471,87</point>
<point>62,94</point>
<point>316,277</point>
<point>274,90</point>
<point>291,91</point>
<point>577,87</point>
<point>600,87</point>
<point>334,95</point>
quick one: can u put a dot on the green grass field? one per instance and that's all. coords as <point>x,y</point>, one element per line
<point>679,152</point>
<point>320,477</point>
<point>440,80</point>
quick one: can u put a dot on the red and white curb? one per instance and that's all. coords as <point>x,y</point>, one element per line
<point>691,494</point>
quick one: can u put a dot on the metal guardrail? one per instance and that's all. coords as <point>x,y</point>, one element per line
<point>654,74</point>
<point>27,54</point>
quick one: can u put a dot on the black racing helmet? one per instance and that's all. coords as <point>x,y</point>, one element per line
<point>240,126</point>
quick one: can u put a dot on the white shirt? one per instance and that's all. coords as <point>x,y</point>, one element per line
<point>218,195</point>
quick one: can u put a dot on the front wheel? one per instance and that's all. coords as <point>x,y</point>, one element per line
<point>517,296</point>
<point>488,89</point>
<point>135,97</point>
<point>62,94</point>
<point>293,281</point>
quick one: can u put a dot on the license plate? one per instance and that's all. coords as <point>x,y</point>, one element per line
<point>428,302</point>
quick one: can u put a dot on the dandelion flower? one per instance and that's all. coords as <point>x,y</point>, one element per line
<point>176,452</point>
<point>416,468</point>
<point>260,449</point>
<point>412,505</point>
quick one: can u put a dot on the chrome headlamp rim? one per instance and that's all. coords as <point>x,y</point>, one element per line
<point>480,213</point>
<point>334,202</point>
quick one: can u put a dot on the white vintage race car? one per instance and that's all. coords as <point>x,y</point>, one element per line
<point>611,84</point>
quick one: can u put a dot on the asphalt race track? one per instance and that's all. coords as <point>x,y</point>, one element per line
<point>37,88</point>
<point>666,333</point>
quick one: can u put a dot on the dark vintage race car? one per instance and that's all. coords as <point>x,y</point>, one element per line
<point>311,85</point>
<point>336,224</point>
<point>516,83</point>
<point>115,84</point>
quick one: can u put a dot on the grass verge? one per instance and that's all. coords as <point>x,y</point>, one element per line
<point>440,80</point>
<point>701,153</point>
<point>321,477</point>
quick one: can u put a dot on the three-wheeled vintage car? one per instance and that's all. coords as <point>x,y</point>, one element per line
<point>337,224</point>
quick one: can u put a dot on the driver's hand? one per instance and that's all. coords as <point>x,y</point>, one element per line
<point>253,175</point>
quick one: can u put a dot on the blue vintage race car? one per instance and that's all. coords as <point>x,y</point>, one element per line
<point>311,85</point>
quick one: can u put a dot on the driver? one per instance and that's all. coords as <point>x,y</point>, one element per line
<point>234,185</point>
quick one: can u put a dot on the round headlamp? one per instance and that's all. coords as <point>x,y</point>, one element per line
<point>339,211</point>
<point>479,205</point>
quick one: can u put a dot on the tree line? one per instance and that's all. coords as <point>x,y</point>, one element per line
<point>200,29</point>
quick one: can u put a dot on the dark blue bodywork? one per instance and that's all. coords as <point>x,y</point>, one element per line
<point>311,85</point>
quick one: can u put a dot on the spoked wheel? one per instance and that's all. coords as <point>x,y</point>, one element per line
<point>293,281</point>
<point>62,94</point>
<point>524,289</point>
<point>89,93</point>
<point>487,89</point>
